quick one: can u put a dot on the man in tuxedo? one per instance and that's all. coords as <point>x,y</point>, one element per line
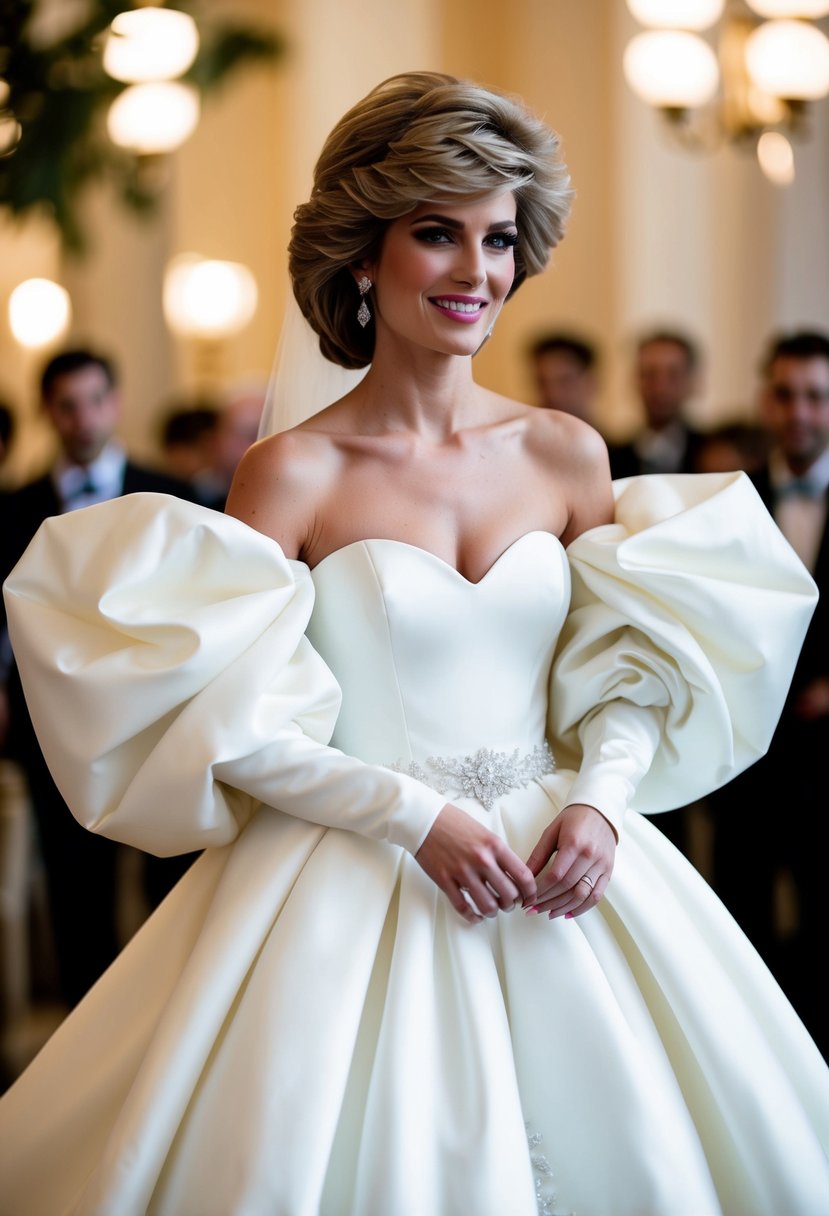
<point>666,374</point>
<point>80,398</point>
<point>774,816</point>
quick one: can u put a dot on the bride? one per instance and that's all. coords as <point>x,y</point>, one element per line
<point>414,698</point>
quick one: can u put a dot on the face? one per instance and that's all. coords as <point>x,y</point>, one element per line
<point>443,274</point>
<point>238,428</point>
<point>84,408</point>
<point>665,380</point>
<point>796,408</point>
<point>564,384</point>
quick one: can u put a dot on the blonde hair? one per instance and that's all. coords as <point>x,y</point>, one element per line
<point>418,137</point>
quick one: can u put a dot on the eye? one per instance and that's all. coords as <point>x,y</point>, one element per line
<point>502,240</point>
<point>433,236</point>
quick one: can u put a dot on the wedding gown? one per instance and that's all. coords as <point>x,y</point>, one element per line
<point>305,1025</point>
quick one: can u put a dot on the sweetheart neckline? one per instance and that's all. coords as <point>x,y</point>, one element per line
<point>388,540</point>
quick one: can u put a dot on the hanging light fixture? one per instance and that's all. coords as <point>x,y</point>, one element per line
<point>148,49</point>
<point>147,44</point>
<point>771,61</point>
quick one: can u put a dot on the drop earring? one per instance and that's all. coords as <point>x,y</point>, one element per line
<point>363,314</point>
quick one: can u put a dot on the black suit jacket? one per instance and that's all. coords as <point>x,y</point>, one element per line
<point>25,509</point>
<point>814,656</point>
<point>625,461</point>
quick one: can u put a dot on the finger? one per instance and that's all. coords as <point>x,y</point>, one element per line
<point>481,895</point>
<point>504,890</point>
<point>540,855</point>
<point>581,896</point>
<point>462,905</point>
<point>511,867</point>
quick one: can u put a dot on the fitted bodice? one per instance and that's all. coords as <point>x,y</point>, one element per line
<point>430,663</point>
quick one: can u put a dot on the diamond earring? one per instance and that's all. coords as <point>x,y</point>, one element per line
<point>363,314</point>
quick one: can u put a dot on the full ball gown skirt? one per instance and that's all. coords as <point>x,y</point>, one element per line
<point>305,1026</point>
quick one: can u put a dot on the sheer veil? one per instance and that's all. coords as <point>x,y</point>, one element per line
<point>303,381</point>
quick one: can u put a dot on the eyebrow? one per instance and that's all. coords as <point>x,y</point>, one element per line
<point>458,225</point>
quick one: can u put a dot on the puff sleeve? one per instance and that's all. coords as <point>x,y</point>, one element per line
<point>163,654</point>
<point>687,616</point>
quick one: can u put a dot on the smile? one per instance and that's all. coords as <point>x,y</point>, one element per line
<point>462,309</point>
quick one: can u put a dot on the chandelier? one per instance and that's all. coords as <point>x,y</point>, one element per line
<point>749,82</point>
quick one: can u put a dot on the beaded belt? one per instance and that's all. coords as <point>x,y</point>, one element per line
<point>484,774</point>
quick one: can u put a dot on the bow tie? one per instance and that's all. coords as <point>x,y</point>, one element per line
<point>799,487</point>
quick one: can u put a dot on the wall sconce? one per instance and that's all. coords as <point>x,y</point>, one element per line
<point>39,312</point>
<point>770,62</point>
<point>208,301</point>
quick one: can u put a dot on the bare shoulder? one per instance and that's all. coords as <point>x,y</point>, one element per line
<point>557,436</point>
<point>279,484</point>
<point>574,458</point>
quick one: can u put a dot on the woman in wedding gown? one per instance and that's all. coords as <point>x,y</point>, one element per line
<point>413,700</point>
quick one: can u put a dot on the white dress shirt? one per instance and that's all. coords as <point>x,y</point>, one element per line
<point>82,485</point>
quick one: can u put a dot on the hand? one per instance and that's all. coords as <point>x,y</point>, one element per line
<point>582,845</point>
<point>468,862</point>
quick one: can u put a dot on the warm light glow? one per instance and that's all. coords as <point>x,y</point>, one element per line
<point>10,132</point>
<point>677,14</point>
<point>669,68</point>
<point>813,9</point>
<point>150,118</point>
<point>774,152</point>
<point>4,91</point>
<point>789,59</point>
<point>149,44</point>
<point>208,299</point>
<point>39,312</point>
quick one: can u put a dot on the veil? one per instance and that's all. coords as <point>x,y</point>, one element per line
<point>303,381</point>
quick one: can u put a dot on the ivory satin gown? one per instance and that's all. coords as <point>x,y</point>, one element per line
<point>305,1026</point>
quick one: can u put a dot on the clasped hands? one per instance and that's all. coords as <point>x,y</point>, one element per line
<point>565,875</point>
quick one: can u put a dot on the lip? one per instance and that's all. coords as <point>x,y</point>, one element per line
<point>458,314</point>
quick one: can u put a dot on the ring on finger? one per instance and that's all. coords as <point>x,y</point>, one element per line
<point>590,882</point>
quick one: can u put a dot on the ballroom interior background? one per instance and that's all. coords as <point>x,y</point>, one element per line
<point>657,236</point>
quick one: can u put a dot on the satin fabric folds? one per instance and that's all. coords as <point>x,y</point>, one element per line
<point>305,1026</point>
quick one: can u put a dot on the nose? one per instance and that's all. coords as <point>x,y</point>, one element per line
<point>469,268</point>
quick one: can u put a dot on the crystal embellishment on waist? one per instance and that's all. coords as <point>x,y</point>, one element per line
<point>484,775</point>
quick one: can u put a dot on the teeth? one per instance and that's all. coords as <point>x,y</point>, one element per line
<point>457,306</point>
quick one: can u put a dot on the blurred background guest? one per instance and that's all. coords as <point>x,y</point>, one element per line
<point>186,438</point>
<point>666,375</point>
<point>771,821</point>
<point>81,400</point>
<point>731,446</point>
<point>237,427</point>
<point>564,368</point>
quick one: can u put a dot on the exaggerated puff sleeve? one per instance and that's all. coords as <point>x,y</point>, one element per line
<point>163,655</point>
<point>687,617</point>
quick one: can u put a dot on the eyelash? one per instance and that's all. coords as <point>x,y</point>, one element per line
<point>432,236</point>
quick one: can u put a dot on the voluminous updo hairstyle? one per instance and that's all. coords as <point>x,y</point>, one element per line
<point>418,137</point>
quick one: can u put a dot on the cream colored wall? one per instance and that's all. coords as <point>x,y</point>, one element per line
<point>656,235</point>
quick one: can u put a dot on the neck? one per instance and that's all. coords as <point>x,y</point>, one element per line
<point>425,392</point>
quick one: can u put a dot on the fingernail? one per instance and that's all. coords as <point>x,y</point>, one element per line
<point>568,915</point>
<point>533,908</point>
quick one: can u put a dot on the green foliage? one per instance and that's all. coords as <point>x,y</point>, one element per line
<point>58,93</point>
